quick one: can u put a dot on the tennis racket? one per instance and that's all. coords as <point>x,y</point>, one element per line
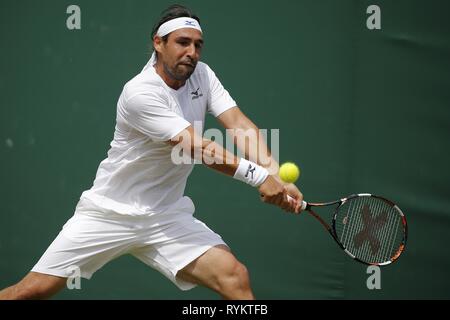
<point>369,228</point>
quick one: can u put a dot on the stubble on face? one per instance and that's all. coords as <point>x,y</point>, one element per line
<point>181,71</point>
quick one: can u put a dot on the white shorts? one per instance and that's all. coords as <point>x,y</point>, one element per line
<point>94,236</point>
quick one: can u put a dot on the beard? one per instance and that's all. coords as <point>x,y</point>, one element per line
<point>182,71</point>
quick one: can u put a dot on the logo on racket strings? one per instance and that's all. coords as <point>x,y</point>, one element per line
<point>370,228</point>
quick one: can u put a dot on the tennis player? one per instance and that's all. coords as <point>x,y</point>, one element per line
<point>136,204</point>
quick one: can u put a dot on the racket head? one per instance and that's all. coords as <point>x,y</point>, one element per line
<point>371,229</point>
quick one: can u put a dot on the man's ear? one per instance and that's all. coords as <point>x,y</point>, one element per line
<point>157,43</point>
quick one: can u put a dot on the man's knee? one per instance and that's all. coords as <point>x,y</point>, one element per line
<point>236,277</point>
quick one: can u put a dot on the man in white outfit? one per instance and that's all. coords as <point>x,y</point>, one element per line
<point>137,204</point>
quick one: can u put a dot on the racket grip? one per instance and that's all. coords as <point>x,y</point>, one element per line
<point>304,203</point>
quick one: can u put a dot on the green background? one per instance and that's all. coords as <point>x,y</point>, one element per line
<point>359,110</point>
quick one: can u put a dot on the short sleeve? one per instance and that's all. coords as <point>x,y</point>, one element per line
<point>219,100</point>
<point>149,114</point>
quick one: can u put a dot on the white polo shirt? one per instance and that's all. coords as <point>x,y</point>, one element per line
<point>138,177</point>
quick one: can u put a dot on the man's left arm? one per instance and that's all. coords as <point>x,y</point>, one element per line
<point>251,142</point>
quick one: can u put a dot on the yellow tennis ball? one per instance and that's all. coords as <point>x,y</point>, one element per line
<point>289,172</point>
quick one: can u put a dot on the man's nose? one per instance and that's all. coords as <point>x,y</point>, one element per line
<point>192,52</point>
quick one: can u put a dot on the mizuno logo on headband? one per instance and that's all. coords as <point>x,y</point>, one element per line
<point>178,23</point>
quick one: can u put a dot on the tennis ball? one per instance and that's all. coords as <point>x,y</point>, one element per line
<point>289,172</point>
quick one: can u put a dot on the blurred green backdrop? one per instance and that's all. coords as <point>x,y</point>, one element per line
<point>359,110</point>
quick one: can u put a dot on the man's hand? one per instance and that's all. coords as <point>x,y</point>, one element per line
<point>293,191</point>
<point>275,191</point>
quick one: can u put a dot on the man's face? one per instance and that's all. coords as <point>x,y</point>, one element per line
<point>180,54</point>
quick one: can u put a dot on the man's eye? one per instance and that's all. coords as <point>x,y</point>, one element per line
<point>183,43</point>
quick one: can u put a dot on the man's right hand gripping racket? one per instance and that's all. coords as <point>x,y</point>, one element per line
<point>369,228</point>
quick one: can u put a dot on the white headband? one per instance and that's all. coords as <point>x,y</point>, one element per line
<point>178,23</point>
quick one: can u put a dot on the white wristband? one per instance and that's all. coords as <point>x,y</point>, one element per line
<point>251,173</point>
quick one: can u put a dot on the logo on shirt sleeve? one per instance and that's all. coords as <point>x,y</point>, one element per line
<point>196,94</point>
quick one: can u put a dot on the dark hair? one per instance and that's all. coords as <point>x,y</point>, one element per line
<point>172,12</point>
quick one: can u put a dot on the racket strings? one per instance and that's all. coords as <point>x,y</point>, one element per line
<point>370,229</point>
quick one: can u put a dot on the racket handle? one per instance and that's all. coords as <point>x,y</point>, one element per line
<point>304,203</point>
